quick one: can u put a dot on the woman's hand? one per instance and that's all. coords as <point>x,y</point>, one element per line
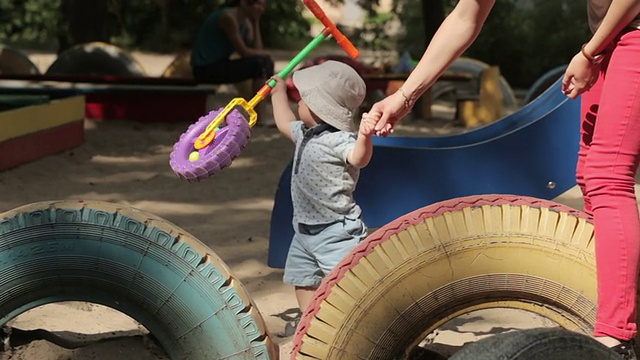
<point>580,76</point>
<point>388,111</point>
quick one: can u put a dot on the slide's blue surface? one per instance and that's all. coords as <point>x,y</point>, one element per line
<point>531,152</point>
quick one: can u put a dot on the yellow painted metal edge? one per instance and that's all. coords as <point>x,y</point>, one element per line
<point>30,119</point>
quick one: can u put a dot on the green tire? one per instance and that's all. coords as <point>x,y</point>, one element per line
<point>136,263</point>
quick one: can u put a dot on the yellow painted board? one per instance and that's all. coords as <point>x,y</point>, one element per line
<point>30,119</point>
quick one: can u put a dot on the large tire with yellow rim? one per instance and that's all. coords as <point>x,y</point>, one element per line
<point>447,259</point>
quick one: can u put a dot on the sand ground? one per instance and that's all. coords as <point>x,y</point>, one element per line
<point>127,163</point>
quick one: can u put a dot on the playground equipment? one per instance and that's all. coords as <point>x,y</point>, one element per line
<point>114,86</point>
<point>485,106</point>
<point>475,67</point>
<point>531,152</point>
<point>180,66</point>
<point>34,126</point>
<point>544,82</point>
<point>532,344</point>
<point>409,277</point>
<point>96,58</point>
<point>13,61</point>
<point>133,262</point>
<point>447,259</point>
<point>206,147</point>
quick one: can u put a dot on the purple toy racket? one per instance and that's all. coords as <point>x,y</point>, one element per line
<point>229,142</point>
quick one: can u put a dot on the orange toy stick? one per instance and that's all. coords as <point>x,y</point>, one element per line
<point>342,40</point>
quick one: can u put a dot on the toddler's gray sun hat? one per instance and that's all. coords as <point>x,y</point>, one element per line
<point>333,90</point>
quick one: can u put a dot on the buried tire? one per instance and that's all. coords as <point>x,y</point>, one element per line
<point>447,259</point>
<point>133,262</point>
<point>533,344</point>
<point>96,58</point>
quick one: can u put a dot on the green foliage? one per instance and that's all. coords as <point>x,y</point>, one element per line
<point>504,41</point>
<point>164,25</point>
<point>282,24</point>
<point>375,33</point>
<point>154,25</point>
<point>528,41</point>
<point>160,25</point>
<point>413,39</point>
<point>28,21</point>
<point>525,41</point>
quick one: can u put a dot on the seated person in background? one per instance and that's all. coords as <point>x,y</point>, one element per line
<point>233,28</point>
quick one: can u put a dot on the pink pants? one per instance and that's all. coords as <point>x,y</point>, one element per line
<point>607,164</point>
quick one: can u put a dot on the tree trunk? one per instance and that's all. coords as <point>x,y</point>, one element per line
<point>433,15</point>
<point>84,21</point>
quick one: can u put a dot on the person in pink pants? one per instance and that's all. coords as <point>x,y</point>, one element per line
<point>607,164</point>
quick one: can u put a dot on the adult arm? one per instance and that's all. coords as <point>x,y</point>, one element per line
<point>582,73</point>
<point>619,15</point>
<point>457,32</point>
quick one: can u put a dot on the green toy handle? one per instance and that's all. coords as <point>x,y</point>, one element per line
<point>300,56</point>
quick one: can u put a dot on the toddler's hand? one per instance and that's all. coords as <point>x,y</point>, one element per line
<point>367,124</point>
<point>280,85</point>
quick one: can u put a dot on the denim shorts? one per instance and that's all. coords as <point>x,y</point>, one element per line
<point>317,249</point>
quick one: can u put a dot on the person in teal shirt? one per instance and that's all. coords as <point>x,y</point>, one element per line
<point>233,28</point>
